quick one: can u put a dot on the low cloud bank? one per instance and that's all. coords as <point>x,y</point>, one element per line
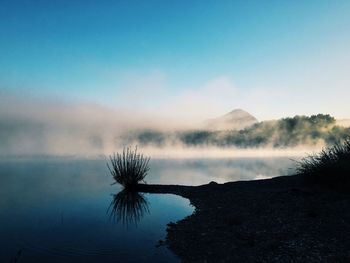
<point>31,126</point>
<point>42,127</point>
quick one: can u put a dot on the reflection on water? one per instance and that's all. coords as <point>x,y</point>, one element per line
<point>128,207</point>
<point>54,210</point>
<point>202,171</point>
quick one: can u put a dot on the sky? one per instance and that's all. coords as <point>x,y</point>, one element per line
<point>185,59</point>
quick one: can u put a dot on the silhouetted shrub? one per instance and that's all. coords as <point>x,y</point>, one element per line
<point>129,167</point>
<point>331,167</point>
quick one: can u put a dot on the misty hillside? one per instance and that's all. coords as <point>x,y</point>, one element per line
<point>315,130</point>
<point>37,128</point>
<point>235,120</point>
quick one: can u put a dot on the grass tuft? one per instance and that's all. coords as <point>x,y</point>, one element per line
<point>330,167</point>
<point>129,167</point>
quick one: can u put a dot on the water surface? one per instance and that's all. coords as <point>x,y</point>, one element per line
<point>65,210</point>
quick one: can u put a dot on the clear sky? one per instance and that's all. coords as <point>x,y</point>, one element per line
<point>271,58</point>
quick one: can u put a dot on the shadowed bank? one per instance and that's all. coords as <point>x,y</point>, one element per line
<point>274,220</point>
<point>284,219</point>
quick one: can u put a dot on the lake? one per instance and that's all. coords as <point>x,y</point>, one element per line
<point>66,210</point>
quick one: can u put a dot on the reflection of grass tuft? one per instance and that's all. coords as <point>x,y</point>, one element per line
<point>128,207</point>
<point>331,167</point>
<point>129,167</point>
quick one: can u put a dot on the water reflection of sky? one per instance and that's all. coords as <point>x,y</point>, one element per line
<point>202,171</point>
<point>55,210</point>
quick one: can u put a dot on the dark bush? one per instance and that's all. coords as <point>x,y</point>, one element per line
<point>330,167</point>
<point>129,167</point>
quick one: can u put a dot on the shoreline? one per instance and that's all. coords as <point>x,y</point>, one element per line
<point>272,220</point>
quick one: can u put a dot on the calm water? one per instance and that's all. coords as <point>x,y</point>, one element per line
<point>56,210</point>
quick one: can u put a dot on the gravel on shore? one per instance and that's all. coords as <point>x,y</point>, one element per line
<point>274,220</point>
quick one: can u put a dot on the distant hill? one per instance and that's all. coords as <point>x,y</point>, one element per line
<point>235,120</point>
<point>315,130</point>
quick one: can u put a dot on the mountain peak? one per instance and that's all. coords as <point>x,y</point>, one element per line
<point>236,119</point>
<point>238,112</point>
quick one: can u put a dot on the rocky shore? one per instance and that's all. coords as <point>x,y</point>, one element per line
<point>274,220</point>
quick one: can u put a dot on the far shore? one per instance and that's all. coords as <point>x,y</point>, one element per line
<point>282,219</point>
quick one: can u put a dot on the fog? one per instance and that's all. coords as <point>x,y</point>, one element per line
<point>31,126</point>
<point>211,152</point>
<point>37,126</point>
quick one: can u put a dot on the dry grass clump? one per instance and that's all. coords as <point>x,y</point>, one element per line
<point>129,167</point>
<point>330,167</point>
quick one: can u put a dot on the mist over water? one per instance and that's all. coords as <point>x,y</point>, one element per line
<point>31,126</point>
<point>38,127</point>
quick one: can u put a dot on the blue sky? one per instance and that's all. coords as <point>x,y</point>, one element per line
<point>198,58</point>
